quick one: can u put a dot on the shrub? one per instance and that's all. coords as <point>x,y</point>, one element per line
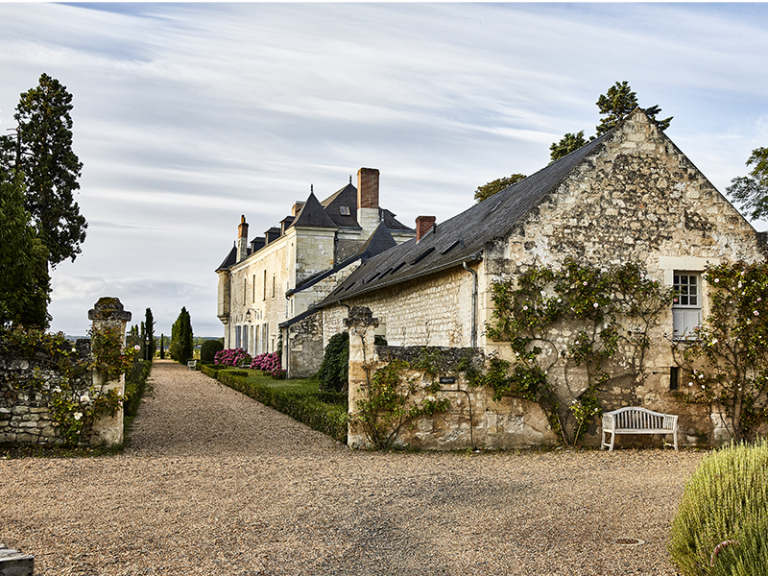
<point>722,520</point>
<point>235,357</point>
<point>269,364</point>
<point>334,370</point>
<point>208,350</point>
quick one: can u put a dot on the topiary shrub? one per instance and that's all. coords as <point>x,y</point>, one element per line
<point>721,525</point>
<point>208,350</point>
<point>334,370</point>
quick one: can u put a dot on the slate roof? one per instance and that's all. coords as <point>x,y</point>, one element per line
<point>347,196</point>
<point>463,237</point>
<point>312,214</point>
<point>380,241</point>
<point>325,214</point>
<point>229,260</point>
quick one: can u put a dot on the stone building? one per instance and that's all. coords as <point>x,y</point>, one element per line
<point>629,196</point>
<point>275,278</point>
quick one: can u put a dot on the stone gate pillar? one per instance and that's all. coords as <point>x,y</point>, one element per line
<point>108,313</point>
<point>362,362</point>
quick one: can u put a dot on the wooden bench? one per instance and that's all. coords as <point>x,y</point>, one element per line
<point>633,420</point>
<point>191,364</point>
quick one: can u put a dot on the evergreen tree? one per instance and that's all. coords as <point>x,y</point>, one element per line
<point>162,343</point>
<point>619,101</point>
<point>43,153</point>
<point>24,279</point>
<point>149,335</point>
<point>182,347</point>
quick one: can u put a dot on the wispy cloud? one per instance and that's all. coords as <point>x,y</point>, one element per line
<point>188,115</point>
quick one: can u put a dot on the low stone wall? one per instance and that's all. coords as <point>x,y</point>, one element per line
<point>25,387</point>
<point>472,420</point>
<point>32,376</point>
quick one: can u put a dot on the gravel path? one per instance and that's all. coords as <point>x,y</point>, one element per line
<point>217,484</point>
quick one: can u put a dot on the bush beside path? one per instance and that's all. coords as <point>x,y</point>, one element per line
<point>216,483</point>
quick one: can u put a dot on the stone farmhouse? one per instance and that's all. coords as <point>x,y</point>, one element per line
<point>276,278</point>
<point>629,196</point>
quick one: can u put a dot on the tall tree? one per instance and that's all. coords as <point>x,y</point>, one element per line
<point>487,190</point>
<point>149,335</point>
<point>751,192</point>
<point>24,280</point>
<point>619,101</point>
<point>181,338</point>
<point>51,169</point>
<point>568,143</point>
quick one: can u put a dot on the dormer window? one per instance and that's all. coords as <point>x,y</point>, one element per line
<point>344,210</point>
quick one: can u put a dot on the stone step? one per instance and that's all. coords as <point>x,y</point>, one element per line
<point>14,563</point>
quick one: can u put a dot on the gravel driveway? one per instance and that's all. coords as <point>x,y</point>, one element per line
<point>215,483</point>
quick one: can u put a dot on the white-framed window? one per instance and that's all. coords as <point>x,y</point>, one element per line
<point>686,307</point>
<point>238,332</point>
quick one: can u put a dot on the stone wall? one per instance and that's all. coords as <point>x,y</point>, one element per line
<point>29,379</point>
<point>25,385</point>
<point>474,419</point>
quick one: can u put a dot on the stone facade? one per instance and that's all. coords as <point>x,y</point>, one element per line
<point>631,197</point>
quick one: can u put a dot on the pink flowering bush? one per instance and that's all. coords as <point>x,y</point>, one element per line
<point>236,357</point>
<point>268,363</point>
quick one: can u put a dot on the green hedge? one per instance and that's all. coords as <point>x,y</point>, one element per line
<point>300,404</point>
<point>135,386</point>
<point>721,525</point>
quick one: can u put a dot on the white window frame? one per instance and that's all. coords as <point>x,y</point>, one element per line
<point>687,305</point>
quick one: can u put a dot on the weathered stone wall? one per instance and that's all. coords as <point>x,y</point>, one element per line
<point>24,387</point>
<point>474,419</point>
<point>27,382</point>
<point>304,347</point>
<point>431,311</point>
<point>636,199</point>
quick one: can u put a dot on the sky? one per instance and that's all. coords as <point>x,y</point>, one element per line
<point>188,115</point>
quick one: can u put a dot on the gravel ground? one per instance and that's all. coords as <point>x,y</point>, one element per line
<point>217,484</point>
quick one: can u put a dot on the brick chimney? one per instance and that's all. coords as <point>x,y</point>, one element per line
<point>368,188</point>
<point>242,239</point>
<point>423,225</point>
<point>368,200</point>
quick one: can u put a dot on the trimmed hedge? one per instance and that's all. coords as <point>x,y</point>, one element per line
<point>135,386</point>
<point>330,419</point>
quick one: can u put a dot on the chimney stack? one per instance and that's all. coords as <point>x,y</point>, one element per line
<point>368,214</point>
<point>423,225</point>
<point>368,188</point>
<point>297,208</point>
<point>242,239</point>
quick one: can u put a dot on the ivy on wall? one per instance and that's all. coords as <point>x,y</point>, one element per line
<point>725,360</point>
<point>572,331</point>
<point>72,399</point>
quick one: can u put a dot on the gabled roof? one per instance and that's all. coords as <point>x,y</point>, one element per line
<point>463,237</point>
<point>313,215</point>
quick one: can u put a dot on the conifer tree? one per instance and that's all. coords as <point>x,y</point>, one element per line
<point>42,151</point>
<point>149,335</point>
<point>181,338</point>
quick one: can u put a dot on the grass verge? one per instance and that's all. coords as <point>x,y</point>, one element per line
<point>300,398</point>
